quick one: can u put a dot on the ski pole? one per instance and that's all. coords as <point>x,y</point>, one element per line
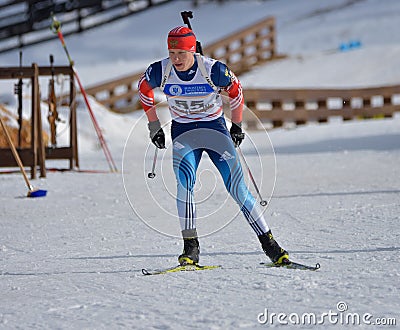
<point>18,91</point>
<point>56,28</point>
<point>152,174</point>
<point>32,192</point>
<point>262,201</point>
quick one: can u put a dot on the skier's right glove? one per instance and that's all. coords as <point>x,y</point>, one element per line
<point>157,135</point>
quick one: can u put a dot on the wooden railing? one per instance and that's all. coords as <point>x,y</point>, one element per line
<point>299,106</point>
<point>240,51</point>
<point>118,95</point>
<point>244,49</point>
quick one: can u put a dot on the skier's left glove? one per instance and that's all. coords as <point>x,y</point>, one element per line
<point>237,134</point>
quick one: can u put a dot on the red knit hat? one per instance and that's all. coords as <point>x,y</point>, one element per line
<point>183,38</point>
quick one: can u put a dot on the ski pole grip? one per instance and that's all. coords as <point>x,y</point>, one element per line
<point>55,24</point>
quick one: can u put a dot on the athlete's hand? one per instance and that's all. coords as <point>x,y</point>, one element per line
<point>236,134</point>
<point>157,135</point>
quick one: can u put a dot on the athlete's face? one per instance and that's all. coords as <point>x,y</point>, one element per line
<point>181,59</point>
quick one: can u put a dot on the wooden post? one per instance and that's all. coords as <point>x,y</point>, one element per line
<point>250,121</point>
<point>347,110</point>
<point>73,124</point>
<point>272,40</point>
<point>40,145</point>
<point>300,106</point>
<point>34,119</point>
<point>387,102</point>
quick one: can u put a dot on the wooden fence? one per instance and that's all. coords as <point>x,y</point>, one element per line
<point>241,51</point>
<point>299,106</point>
<point>118,95</point>
<point>244,49</point>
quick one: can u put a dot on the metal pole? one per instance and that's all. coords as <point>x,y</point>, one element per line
<point>152,174</point>
<point>262,201</point>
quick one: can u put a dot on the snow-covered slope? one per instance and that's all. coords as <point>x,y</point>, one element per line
<point>73,259</point>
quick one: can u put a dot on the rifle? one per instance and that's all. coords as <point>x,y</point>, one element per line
<point>185,16</point>
<point>18,91</point>
<point>52,101</point>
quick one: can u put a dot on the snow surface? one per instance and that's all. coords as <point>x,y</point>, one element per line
<point>73,259</point>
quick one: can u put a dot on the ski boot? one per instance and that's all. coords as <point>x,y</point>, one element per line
<point>191,248</point>
<point>273,250</point>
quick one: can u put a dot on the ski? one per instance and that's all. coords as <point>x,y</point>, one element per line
<point>291,265</point>
<point>187,268</point>
<point>178,268</point>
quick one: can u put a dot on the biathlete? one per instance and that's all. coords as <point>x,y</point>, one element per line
<point>192,84</point>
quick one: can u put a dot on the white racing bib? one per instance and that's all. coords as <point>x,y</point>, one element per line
<point>192,100</point>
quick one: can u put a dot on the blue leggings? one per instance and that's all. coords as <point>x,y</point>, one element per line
<point>190,140</point>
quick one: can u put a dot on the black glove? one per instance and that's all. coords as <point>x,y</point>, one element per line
<point>157,135</point>
<point>236,134</point>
